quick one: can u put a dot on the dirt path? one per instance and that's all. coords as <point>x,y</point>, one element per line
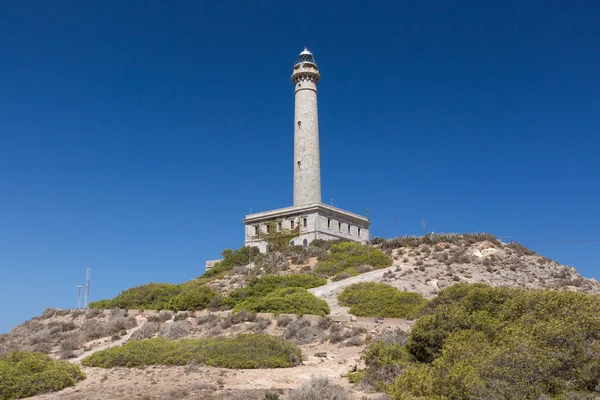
<point>108,344</point>
<point>330,291</point>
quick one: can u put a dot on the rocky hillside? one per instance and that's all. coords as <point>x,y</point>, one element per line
<point>425,265</point>
<point>428,264</point>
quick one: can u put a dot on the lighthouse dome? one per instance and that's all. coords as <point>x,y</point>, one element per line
<point>306,56</point>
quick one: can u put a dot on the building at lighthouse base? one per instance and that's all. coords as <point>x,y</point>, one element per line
<point>303,224</point>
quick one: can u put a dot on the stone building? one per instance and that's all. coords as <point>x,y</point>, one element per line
<point>308,218</point>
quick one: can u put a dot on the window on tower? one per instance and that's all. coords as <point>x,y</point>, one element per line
<point>339,226</point>
<point>255,230</point>
<point>305,222</point>
<point>279,227</point>
<point>267,228</point>
<point>328,223</point>
<point>348,228</point>
<point>358,232</point>
<point>292,224</point>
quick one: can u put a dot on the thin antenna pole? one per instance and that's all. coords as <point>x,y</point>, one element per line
<point>79,296</point>
<point>87,286</point>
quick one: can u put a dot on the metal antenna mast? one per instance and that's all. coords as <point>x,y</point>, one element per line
<point>87,287</point>
<point>79,296</point>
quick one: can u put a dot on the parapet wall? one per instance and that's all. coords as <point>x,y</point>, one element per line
<point>312,318</point>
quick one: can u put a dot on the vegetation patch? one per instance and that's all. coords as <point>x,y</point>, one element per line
<point>347,257</point>
<point>480,342</point>
<point>232,259</point>
<point>242,351</point>
<point>161,296</point>
<point>370,299</point>
<point>24,374</point>
<point>264,285</point>
<point>435,238</point>
<point>385,358</point>
<point>290,300</point>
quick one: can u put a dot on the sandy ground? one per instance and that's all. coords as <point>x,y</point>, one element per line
<point>170,383</point>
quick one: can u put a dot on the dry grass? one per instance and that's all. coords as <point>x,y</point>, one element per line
<point>146,331</point>
<point>319,388</point>
<point>176,330</point>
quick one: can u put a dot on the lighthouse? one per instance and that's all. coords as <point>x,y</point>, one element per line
<point>307,163</point>
<point>308,219</point>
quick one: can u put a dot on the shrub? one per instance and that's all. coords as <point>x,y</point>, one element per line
<point>25,374</point>
<point>192,298</point>
<point>483,342</point>
<point>341,276</point>
<point>191,295</point>
<point>176,330</point>
<point>262,286</point>
<point>284,321</point>
<point>435,238</point>
<point>165,315</point>
<point>208,319</point>
<point>48,313</point>
<point>348,256</point>
<point>181,316</point>
<point>520,249</point>
<point>319,388</point>
<point>242,351</point>
<point>385,359</point>
<point>146,331</point>
<point>242,316</point>
<point>300,331</point>
<point>152,296</point>
<point>118,324</point>
<point>370,299</point>
<point>324,323</point>
<point>92,313</point>
<point>291,300</point>
<point>261,324</point>
<point>233,258</point>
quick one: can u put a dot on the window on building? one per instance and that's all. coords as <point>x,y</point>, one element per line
<point>292,243</point>
<point>328,223</point>
<point>279,227</point>
<point>305,222</point>
<point>292,224</point>
<point>358,232</point>
<point>267,228</point>
<point>305,243</point>
<point>348,228</point>
<point>255,230</point>
<point>339,226</point>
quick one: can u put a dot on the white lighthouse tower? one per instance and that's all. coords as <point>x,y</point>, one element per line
<point>307,164</point>
<point>308,218</point>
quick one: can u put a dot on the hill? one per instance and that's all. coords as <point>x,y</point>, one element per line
<point>413,274</point>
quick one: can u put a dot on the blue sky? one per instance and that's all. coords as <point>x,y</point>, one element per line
<point>136,135</point>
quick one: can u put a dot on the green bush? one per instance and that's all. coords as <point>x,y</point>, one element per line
<point>370,299</point>
<point>348,256</point>
<point>232,259</point>
<point>24,374</point>
<point>161,296</point>
<point>192,298</point>
<point>242,351</point>
<point>434,238</point>
<point>152,296</point>
<point>290,300</point>
<point>262,286</point>
<point>385,360</point>
<point>480,342</point>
